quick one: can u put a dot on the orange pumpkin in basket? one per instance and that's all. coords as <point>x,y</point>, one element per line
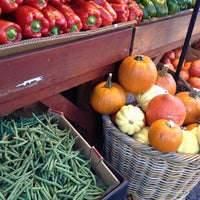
<point>166,106</point>
<point>189,127</point>
<point>166,80</point>
<point>107,97</point>
<point>137,73</point>
<point>191,100</point>
<point>165,136</point>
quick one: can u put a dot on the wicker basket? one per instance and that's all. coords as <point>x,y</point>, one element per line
<point>151,174</point>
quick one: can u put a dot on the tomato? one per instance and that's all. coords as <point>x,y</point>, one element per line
<point>184,74</point>
<point>194,81</point>
<point>195,67</point>
<point>169,55</point>
<point>175,62</point>
<point>186,66</point>
<point>177,52</point>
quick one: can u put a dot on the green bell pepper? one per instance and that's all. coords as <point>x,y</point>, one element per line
<point>149,8</point>
<point>145,13</point>
<point>161,7</point>
<point>184,4</point>
<point>173,6</point>
<point>191,4</point>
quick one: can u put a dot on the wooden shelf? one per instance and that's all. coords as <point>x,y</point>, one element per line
<point>159,36</point>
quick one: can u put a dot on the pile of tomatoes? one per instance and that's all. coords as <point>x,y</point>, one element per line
<point>190,70</point>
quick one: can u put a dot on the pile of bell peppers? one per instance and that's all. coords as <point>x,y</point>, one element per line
<point>161,8</point>
<point>26,19</point>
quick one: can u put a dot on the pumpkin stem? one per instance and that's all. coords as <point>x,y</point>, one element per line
<point>194,93</point>
<point>109,81</point>
<point>139,57</point>
<point>163,71</point>
<point>170,123</point>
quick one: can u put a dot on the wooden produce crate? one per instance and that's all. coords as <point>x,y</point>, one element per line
<point>163,34</point>
<point>52,162</point>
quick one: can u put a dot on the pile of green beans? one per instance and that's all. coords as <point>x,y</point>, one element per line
<point>38,162</point>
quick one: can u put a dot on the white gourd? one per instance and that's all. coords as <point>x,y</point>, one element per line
<point>130,119</point>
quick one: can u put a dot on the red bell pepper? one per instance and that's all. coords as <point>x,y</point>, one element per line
<point>39,4</point>
<point>59,1</point>
<point>10,32</point>
<point>32,22</point>
<point>9,6</point>
<point>108,7</point>
<point>74,23</point>
<point>135,12</point>
<point>105,15</point>
<point>89,14</point>
<point>118,1</point>
<point>122,11</point>
<point>57,21</point>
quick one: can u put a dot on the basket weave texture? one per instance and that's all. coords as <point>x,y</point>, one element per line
<point>152,175</point>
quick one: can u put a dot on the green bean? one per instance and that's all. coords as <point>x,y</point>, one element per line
<point>41,123</point>
<point>47,181</point>
<point>15,188</point>
<point>18,144</point>
<point>66,173</point>
<point>81,192</point>
<point>45,192</point>
<point>2,196</point>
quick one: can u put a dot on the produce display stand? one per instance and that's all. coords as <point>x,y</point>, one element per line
<point>41,74</point>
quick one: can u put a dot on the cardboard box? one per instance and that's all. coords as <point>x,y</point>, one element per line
<point>105,175</point>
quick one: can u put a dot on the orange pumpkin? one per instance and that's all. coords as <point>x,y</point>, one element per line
<point>137,73</point>
<point>191,100</point>
<point>166,80</point>
<point>166,106</point>
<point>107,97</point>
<point>165,136</point>
<point>189,127</point>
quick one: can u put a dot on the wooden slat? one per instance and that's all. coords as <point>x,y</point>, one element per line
<point>155,38</point>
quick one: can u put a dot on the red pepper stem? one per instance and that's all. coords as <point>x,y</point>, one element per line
<point>36,26</point>
<point>41,2</point>
<point>11,33</point>
<point>74,28</point>
<point>55,30</point>
<point>91,21</point>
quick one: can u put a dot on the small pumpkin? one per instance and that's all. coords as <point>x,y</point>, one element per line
<point>130,119</point>
<point>166,106</point>
<point>144,98</point>
<point>189,127</point>
<point>196,131</point>
<point>191,100</point>
<point>137,73</point>
<point>142,136</point>
<point>107,97</point>
<point>165,136</point>
<point>189,143</point>
<point>166,80</point>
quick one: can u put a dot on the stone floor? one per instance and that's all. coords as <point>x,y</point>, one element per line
<point>195,193</point>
